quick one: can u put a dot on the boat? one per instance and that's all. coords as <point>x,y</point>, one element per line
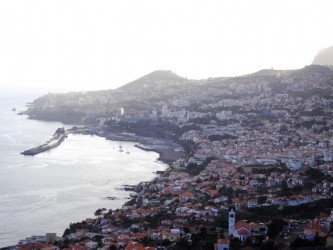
<point>127,152</point>
<point>13,109</point>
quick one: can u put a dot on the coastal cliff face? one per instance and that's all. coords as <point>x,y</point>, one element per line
<point>163,94</point>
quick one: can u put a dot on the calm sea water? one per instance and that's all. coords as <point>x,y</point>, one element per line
<point>44,193</point>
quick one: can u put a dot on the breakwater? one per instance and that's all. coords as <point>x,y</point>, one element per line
<point>58,137</point>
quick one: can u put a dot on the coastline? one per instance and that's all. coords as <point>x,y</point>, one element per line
<point>165,149</point>
<point>168,150</point>
<point>167,155</point>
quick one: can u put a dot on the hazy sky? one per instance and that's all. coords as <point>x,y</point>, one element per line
<point>89,45</point>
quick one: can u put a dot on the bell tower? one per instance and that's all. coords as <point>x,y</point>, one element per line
<point>232,217</point>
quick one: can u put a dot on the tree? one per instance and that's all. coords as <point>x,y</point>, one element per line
<point>269,245</point>
<point>262,199</point>
<point>297,189</point>
<point>99,212</point>
<point>203,231</point>
<point>98,239</point>
<point>238,192</point>
<point>275,227</point>
<point>262,189</point>
<point>314,174</point>
<point>285,191</point>
<point>186,230</point>
<point>67,232</point>
<point>166,242</point>
<point>235,243</point>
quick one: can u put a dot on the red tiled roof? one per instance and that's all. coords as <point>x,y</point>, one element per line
<point>239,224</point>
<point>29,246</point>
<point>314,226</point>
<point>187,194</point>
<point>134,246</point>
<point>213,192</point>
<point>243,232</point>
<point>140,235</point>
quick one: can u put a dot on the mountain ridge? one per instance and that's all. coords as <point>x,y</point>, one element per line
<point>157,89</point>
<point>163,76</point>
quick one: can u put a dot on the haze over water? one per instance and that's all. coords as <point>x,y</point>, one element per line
<point>46,192</point>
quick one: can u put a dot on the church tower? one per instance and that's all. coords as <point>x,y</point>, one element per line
<point>232,217</point>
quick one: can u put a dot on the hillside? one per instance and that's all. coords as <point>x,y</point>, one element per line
<point>157,77</point>
<point>151,95</point>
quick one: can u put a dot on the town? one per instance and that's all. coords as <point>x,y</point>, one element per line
<point>252,162</point>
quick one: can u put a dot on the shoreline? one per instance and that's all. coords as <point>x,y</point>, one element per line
<point>168,151</point>
<point>167,155</point>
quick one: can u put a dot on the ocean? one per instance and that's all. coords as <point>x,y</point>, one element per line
<point>46,192</point>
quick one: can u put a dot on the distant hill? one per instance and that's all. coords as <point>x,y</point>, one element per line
<point>155,77</point>
<point>324,57</point>
<point>266,72</point>
<point>162,75</point>
<point>148,96</point>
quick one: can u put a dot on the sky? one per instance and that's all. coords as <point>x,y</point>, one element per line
<point>79,45</point>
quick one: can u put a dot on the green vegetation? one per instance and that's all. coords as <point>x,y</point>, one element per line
<point>275,226</point>
<point>195,169</point>
<point>265,169</point>
<point>314,174</point>
<point>321,92</point>
<point>204,120</point>
<point>73,227</point>
<point>305,211</point>
<point>300,243</point>
<point>221,137</point>
<point>99,212</point>
<point>162,130</point>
